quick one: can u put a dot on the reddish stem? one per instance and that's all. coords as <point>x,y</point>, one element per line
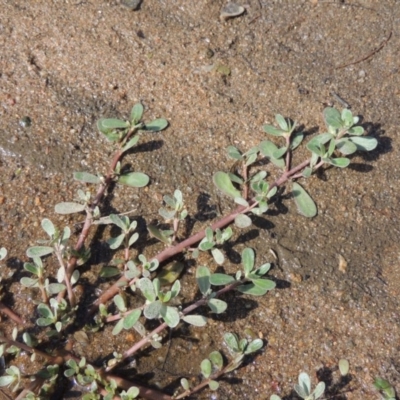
<point>5,310</point>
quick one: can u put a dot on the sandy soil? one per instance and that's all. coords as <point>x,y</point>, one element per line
<point>67,63</point>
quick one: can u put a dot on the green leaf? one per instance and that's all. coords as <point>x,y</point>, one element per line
<point>347,117</point>
<point>261,271</point>
<point>242,221</point>
<point>281,122</point>
<point>271,130</point>
<point>153,310</point>
<point>365,143</point>
<point>156,233</point>
<point>196,320</point>
<point>48,227</point>
<point>258,289</point>
<point>232,341</point>
<point>55,288</point>
<point>185,384</point>
<point>346,146</point>
<point>203,279</point>
<point>107,125</point>
<point>132,142</point>
<point>332,117</point>
<point>131,319</point>
<point>136,113</point>
<point>267,149</point>
<point>39,251</point>
<point>356,131</point>
<point>115,242</point>
<point>86,177</point>
<point>221,279</point>
<point>216,359</point>
<point>218,256</point>
<point>122,223</point>
<point>45,311</point>
<point>248,260</point>
<point>147,288</point>
<point>119,302</point>
<point>224,183</point>
<point>341,162</point>
<point>307,172</point>
<point>69,208</point>
<point>280,152</point>
<point>296,140</point>
<point>254,346</point>
<point>29,282</point>
<point>213,385</point>
<point>7,380</point>
<point>108,272</point>
<point>156,125</point>
<point>304,202</point>
<point>134,179</point>
<point>170,315</point>
<point>118,327</point>
<point>319,390</point>
<point>206,368</point>
<point>217,306</point>
<point>234,153</point>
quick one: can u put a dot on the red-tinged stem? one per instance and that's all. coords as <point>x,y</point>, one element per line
<point>145,393</point>
<point>11,314</point>
<point>145,340</point>
<point>188,243</point>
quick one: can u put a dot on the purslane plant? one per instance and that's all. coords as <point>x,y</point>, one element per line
<point>156,292</point>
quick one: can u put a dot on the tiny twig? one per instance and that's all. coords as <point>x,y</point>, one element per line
<point>369,55</point>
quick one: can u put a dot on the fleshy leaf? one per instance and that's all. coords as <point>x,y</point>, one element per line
<point>203,279</point>
<point>332,117</point>
<point>218,256</point>
<point>242,221</point>
<point>69,208</point>
<point>131,319</point>
<point>170,315</point>
<point>364,143</point>
<point>107,125</point>
<point>258,287</point>
<point>271,130</point>
<point>281,122</point>
<point>234,153</point>
<point>346,146</point>
<point>217,306</point>
<point>134,179</point>
<point>156,125</point>
<point>224,183</point>
<point>86,177</point>
<point>221,279</point>
<point>305,204</point>
<point>136,113</point>
<point>196,320</point>
<point>254,346</point>
<point>48,226</point>
<point>206,368</point>
<point>131,143</point>
<point>248,260</point>
<point>341,162</point>
<point>39,251</point>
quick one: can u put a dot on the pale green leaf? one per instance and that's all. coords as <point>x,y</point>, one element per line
<point>217,306</point>
<point>69,208</point>
<point>224,183</point>
<point>170,315</point>
<point>364,143</point>
<point>221,279</point>
<point>242,221</point>
<point>131,319</point>
<point>304,202</point>
<point>48,227</point>
<point>86,177</point>
<point>203,279</point>
<point>134,179</point>
<point>248,257</point>
<point>39,251</point>
<point>206,367</point>
<point>332,117</point>
<point>196,320</point>
<point>156,125</point>
<point>136,113</point>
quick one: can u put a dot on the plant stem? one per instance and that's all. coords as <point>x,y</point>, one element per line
<point>11,314</point>
<point>172,251</point>
<point>145,340</point>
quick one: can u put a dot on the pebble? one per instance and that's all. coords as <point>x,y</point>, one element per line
<point>231,10</point>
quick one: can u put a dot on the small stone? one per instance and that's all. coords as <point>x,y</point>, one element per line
<point>231,10</point>
<point>25,122</point>
<point>132,4</point>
